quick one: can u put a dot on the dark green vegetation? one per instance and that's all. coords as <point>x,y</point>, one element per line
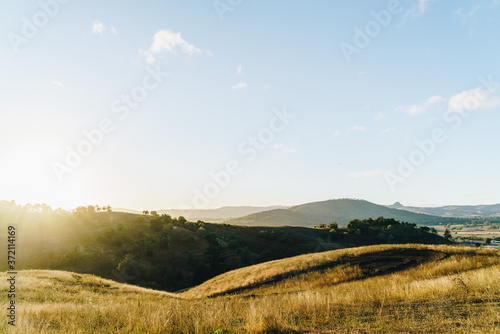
<point>340,210</point>
<point>168,253</point>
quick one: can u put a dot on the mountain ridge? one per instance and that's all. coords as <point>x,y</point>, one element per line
<point>338,210</point>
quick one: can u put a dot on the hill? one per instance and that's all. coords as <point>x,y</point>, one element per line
<point>341,210</point>
<point>169,253</point>
<point>492,210</point>
<point>373,289</point>
<point>344,265</point>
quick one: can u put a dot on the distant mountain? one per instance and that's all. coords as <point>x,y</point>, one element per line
<point>396,205</point>
<point>453,210</point>
<point>212,215</point>
<point>339,210</point>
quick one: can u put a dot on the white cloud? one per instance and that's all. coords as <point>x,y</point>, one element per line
<point>368,173</point>
<point>238,70</point>
<point>357,128</point>
<point>418,109</point>
<point>337,133</point>
<point>474,99</point>
<point>284,149</point>
<point>266,86</point>
<point>167,40</point>
<point>57,83</point>
<point>379,116</point>
<point>366,107</point>
<point>239,85</point>
<point>98,28</point>
<point>388,131</point>
<point>114,31</point>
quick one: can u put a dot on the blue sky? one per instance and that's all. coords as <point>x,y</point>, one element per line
<point>214,103</point>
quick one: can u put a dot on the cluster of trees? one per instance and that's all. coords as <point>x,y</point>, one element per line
<point>91,209</point>
<point>159,222</point>
<point>379,223</point>
<point>381,230</point>
<point>364,225</point>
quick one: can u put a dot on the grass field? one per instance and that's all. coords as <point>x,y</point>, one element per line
<point>372,289</point>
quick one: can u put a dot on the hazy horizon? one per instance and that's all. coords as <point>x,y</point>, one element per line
<point>140,209</point>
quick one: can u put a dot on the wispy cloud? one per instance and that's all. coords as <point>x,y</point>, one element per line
<point>379,116</point>
<point>266,86</point>
<point>240,85</point>
<point>418,109</point>
<point>357,128</point>
<point>170,41</point>
<point>98,28</point>
<point>57,83</point>
<point>238,70</point>
<point>388,131</point>
<point>369,173</point>
<point>417,8</point>
<point>284,149</point>
<point>469,18</point>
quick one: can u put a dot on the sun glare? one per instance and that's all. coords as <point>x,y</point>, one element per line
<point>27,177</point>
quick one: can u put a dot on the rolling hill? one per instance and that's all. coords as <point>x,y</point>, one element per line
<point>372,289</point>
<point>170,254</point>
<point>340,210</point>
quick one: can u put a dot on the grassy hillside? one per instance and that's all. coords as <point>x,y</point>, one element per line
<point>171,254</point>
<point>408,289</point>
<point>342,211</point>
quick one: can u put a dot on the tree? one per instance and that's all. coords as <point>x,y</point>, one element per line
<point>333,226</point>
<point>447,234</point>
<point>215,255</point>
<point>156,224</point>
<point>145,212</point>
<point>181,220</point>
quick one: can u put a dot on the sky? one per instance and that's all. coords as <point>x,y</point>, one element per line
<point>202,104</point>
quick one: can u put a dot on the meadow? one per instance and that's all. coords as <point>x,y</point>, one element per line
<point>372,289</point>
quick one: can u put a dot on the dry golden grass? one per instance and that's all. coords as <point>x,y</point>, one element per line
<point>455,293</point>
